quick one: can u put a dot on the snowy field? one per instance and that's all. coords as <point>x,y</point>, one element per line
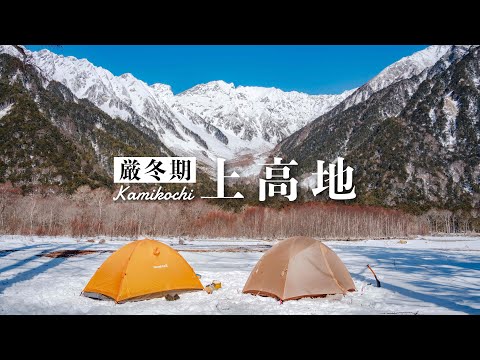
<point>428,275</point>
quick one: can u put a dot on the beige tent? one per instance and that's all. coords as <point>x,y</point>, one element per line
<point>299,267</point>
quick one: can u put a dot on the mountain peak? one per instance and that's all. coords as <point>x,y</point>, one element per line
<point>163,89</point>
<point>406,68</point>
<point>128,76</point>
<point>47,52</point>
<point>212,87</point>
<point>409,66</point>
<point>11,50</point>
<point>220,84</point>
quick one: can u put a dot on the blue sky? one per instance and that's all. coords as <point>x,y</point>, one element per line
<point>322,69</point>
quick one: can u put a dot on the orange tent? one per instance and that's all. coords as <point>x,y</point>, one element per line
<point>299,267</point>
<point>140,270</point>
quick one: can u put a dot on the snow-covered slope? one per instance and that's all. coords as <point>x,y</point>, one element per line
<point>256,114</point>
<point>208,121</point>
<point>123,96</point>
<point>424,127</point>
<point>10,50</point>
<point>403,69</point>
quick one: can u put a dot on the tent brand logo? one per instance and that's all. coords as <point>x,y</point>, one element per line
<point>161,266</point>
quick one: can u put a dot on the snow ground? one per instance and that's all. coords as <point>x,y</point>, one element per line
<point>428,275</point>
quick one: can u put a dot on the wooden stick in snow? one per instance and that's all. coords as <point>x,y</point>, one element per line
<point>373,272</point>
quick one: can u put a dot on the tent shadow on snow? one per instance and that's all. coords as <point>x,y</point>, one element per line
<point>422,265</point>
<point>31,273</point>
<point>25,261</point>
<point>9,251</point>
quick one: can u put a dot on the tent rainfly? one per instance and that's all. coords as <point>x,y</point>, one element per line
<point>140,270</point>
<point>299,267</point>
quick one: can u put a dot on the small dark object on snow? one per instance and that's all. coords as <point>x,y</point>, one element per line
<point>181,242</point>
<point>90,240</point>
<point>170,297</point>
<point>102,241</point>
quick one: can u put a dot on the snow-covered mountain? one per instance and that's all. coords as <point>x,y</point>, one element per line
<point>403,69</point>
<point>208,121</point>
<point>413,142</point>
<point>51,137</point>
<point>10,50</point>
<point>256,113</point>
<point>387,93</point>
<point>218,119</point>
<point>411,133</point>
<point>128,98</point>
